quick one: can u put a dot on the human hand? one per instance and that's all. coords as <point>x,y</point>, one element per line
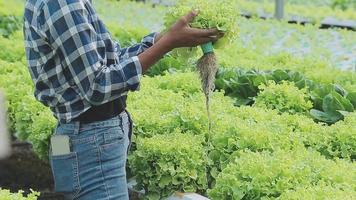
<point>182,35</point>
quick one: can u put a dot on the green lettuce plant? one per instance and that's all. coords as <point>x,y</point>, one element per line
<point>331,102</point>
<point>265,175</point>
<point>164,164</point>
<point>284,97</point>
<point>7,195</point>
<point>220,15</point>
<point>320,191</point>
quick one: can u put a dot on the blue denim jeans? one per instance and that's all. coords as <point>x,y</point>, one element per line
<point>95,168</point>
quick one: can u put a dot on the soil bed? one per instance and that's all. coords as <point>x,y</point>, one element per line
<point>23,170</point>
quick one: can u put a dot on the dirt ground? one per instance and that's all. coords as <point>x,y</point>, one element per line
<point>23,170</point>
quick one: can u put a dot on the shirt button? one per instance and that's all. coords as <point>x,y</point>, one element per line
<point>71,82</point>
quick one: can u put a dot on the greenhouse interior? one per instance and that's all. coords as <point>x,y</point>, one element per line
<point>177,99</point>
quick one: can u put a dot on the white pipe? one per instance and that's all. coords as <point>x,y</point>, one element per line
<point>4,136</point>
<point>279,9</point>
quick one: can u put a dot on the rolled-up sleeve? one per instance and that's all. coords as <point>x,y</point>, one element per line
<point>70,33</point>
<point>137,49</point>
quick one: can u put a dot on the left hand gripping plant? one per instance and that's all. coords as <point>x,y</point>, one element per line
<point>213,14</point>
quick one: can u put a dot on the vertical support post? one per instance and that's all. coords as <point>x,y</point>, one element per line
<point>4,137</point>
<point>279,9</point>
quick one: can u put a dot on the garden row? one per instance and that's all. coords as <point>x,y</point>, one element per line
<point>175,109</point>
<point>342,16</point>
<point>342,4</point>
<point>263,149</point>
<point>175,113</point>
<point>332,46</point>
<point>255,35</point>
<point>335,4</point>
<point>7,195</point>
<point>174,152</point>
<point>298,13</point>
<point>293,93</point>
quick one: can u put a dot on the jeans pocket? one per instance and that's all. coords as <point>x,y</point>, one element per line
<point>113,148</point>
<point>65,173</point>
<point>112,136</point>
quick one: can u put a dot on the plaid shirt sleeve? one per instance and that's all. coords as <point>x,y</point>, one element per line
<point>136,49</point>
<point>70,29</point>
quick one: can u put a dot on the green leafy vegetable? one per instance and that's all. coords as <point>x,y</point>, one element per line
<point>164,164</point>
<point>212,14</point>
<point>284,97</point>
<point>7,195</point>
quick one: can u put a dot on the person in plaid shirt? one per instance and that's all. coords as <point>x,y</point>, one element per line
<point>84,76</point>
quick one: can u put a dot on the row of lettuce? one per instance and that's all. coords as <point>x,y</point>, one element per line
<point>255,35</point>
<point>271,153</point>
<point>339,9</point>
<point>342,4</point>
<point>11,12</point>
<point>268,148</point>
<point>7,195</point>
<point>294,93</point>
<point>251,152</point>
<point>312,13</point>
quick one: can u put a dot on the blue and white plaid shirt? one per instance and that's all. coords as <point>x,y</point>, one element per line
<point>73,60</point>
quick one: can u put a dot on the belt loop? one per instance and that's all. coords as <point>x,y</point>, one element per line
<point>119,117</point>
<point>76,127</point>
<point>130,127</point>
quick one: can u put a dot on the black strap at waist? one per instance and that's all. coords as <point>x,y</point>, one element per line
<point>104,111</point>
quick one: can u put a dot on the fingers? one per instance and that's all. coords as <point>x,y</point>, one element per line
<point>221,34</point>
<point>204,32</point>
<point>190,16</point>
<point>203,40</point>
<point>214,38</point>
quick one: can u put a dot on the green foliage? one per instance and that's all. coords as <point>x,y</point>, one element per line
<point>7,195</point>
<point>344,4</point>
<point>41,129</point>
<point>243,85</point>
<point>284,97</point>
<point>140,14</point>
<point>255,129</point>
<point>167,163</point>
<point>318,192</point>
<point>16,83</point>
<point>255,152</point>
<point>12,48</point>
<point>9,24</point>
<point>10,16</point>
<point>212,14</point>
<point>127,35</point>
<point>187,83</point>
<point>175,101</point>
<point>166,98</point>
<point>323,3</point>
<point>265,175</point>
<point>314,13</point>
<point>331,102</point>
<point>29,119</point>
<point>167,109</point>
<point>167,64</point>
<point>341,139</point>
<point>305,49</point>
<point>28,108</point>
<point>147,122</point>
<point>14,7</point>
